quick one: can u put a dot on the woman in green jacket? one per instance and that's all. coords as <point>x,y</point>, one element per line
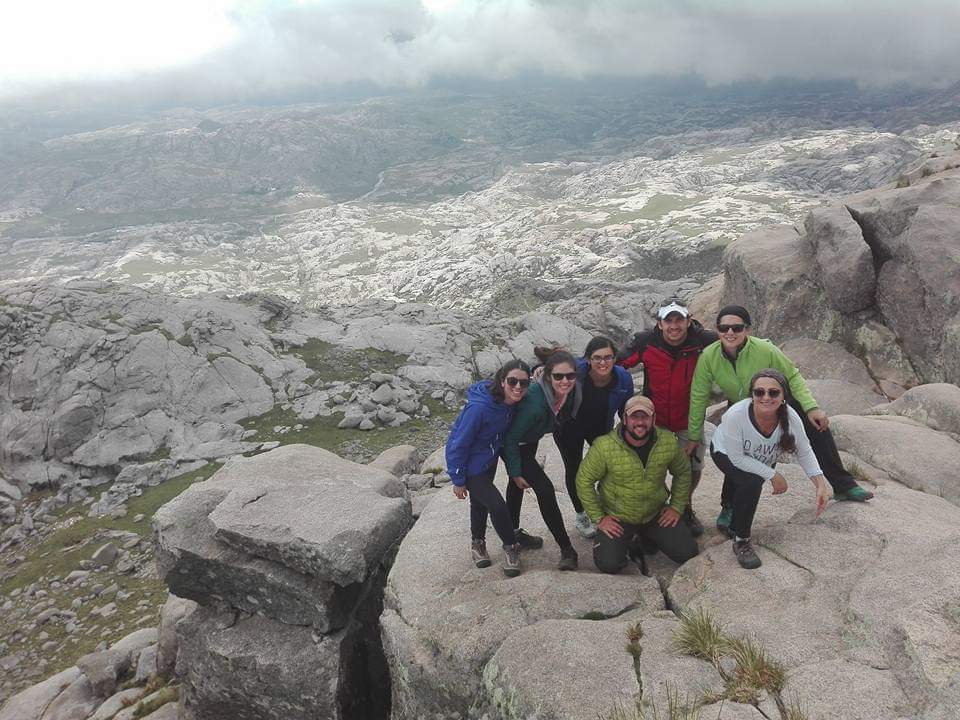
<point>551,400</point>
<point>730,363</point>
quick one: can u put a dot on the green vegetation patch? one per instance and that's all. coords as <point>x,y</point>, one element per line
<point>332,363</point>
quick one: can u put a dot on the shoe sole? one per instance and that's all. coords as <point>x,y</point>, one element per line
<point>854,499</point>
<point>482,563</point>
<point>511,572</point>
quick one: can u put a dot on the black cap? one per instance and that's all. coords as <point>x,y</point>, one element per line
<point>738,310</point>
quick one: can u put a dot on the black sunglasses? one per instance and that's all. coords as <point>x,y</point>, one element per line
<point>760,392</point>
<point>563,376</point>
<point>738,328</point>
<point>513,382</point>
<point>602,358</point>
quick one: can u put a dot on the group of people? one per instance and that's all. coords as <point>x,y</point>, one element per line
<point>619,490</point>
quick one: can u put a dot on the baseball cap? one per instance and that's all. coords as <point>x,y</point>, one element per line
<point>672,305</point>
<point>638,402</point>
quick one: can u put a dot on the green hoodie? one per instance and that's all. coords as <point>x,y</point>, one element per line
<point>733,377</point>
<point>613,481</point>
<point>534,420</point>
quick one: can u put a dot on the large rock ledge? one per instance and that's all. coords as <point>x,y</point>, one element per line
<point>860,606</point>
<point>287,553</point>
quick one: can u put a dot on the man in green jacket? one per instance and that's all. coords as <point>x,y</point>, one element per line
<point>622,484</point>
<point>730,363</point>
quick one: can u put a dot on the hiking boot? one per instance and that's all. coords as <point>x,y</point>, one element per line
<point>584,526</point>
<point>481,558</point>
<point>568,558</point>
<point>724,519</point>
<point>693,522</point>
<point>511,560</point>
<point>854,494</point>
<point>746,555</point>
<point>526,541</point>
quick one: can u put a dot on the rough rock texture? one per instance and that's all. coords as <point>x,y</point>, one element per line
<point>397,460</point>
<point>32,703</point>
<point>907,451</point>
<point>837,397</point>
<point>285,552</point>
<point>936,405</point>
<point>860,605</point>
<point>173,611</point>
<point>818,360</point>
<point>898,307</point>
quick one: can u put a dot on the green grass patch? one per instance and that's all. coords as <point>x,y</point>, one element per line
<point>331,362</point>
<point>323,431</point>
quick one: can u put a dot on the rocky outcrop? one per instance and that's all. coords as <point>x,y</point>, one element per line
<point>285,552</point>
<point>877,273</point>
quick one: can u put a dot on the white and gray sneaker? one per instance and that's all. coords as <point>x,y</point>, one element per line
<point>584,526</point>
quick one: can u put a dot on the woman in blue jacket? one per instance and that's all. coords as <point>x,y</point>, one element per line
<point>604,387</point>
<point>472,450</point>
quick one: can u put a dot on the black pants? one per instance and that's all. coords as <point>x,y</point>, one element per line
<point>825,450</point>
<point>570,443</point>
<point>741,491</point>
<point>486,500</point>
<point>610,555</point>
<point>546,495</point>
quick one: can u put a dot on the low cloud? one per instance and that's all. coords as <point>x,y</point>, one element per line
<point>292,47</point>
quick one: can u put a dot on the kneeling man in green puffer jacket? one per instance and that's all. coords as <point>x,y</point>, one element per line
<point>622,484</point>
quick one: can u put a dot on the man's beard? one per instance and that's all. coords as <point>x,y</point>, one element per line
<point>639,438</point>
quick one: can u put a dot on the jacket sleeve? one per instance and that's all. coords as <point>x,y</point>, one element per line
<point>733,442</point>
<point>592,470</point>
<point>798,386</point>
<point>461,438</point>
<point>699,396</point>
<point>630,356</point>
<point>527,417</point>
<point>680,485</point>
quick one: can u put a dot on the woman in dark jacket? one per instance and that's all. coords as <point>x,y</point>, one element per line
<point>553,397</point>
<point>472,450</point>
<point>605,387</point>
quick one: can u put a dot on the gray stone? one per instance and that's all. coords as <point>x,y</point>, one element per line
<point>842,258</point>
<point>170,711</point>
<point>350,421</point>
<point>838,397</point>
<point>398,460</point>
<point>383,395</point>
<point>435,463</point>
<point>386,415</point>
<point>146,664</point>
<point>444,619</point>
<point>229,668</point>
<point>105,554</point>
<point>366,424</point>
<point>519,681</point>
<point>311,511</point>
<point>408,406</point>
<point>172,612</point>
<point>32,703</point>
<point>936,405</point>
<point>117,702</point>
<point>818,360</point>
<point>76,702</point>
<point>9,491</point>
<point>932,463</point>
<point>196,565</point>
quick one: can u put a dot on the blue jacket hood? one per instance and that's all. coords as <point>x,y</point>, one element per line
<point>476,436</point>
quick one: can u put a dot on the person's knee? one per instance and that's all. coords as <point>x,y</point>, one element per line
<point>608,562</point>
<point>684,551</point>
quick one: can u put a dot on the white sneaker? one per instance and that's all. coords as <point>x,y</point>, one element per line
<point>584,526</point>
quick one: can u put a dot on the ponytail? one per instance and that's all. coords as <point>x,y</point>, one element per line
<point>788,443</point>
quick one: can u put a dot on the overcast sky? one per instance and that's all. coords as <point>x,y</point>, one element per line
<point>242,48</point>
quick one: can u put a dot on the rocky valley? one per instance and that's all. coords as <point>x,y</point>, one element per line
<point>232,341</point>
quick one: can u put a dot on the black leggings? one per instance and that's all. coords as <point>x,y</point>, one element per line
<point>546,495</point>
<point>825,450</point>
<point>486,500</point>
<point>570,444</point>
<point>741,491</point>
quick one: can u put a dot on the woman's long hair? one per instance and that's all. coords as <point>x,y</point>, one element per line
<point>788,443</point>
<point>558,357</point>
<point>496,385</point>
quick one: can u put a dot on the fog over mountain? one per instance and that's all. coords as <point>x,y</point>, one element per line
<point>238,51</point>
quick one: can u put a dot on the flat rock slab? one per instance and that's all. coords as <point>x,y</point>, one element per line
<point>518,682</point>
<point>444,619</point>
<point>311,511</point>
<point>839,397</point>
<point>195,565</point>
<point>856,604</point>
<point>818,360</point>
<point>936,405</point>
<point>908,452</point>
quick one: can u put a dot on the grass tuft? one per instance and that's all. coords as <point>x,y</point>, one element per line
<point>795,710</point>
<point>755,668</point>
<point>700,636</point>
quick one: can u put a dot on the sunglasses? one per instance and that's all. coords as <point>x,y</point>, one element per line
<point>738,328</point>
<point>564,376</point>
<point>769,392</point>
<point>513,382</point>
<point>601,358</point>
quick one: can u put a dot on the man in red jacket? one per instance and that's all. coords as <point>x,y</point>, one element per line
<point>669,354</point>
